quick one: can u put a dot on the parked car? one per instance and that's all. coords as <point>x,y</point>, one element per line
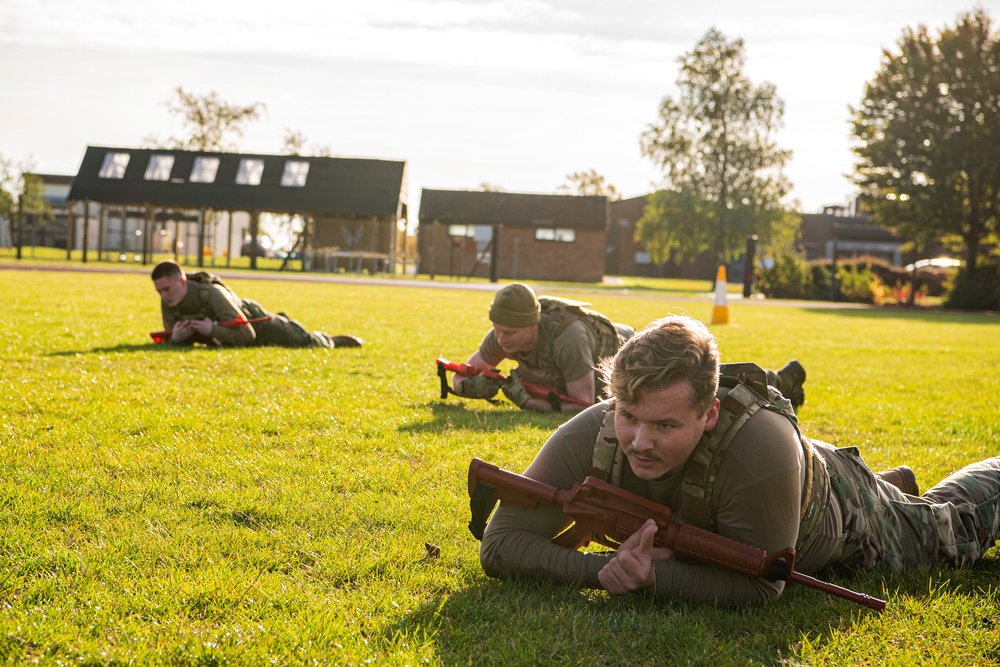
<point>263,247</point>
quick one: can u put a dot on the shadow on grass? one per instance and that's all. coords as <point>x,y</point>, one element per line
<point>477,415</point>
<point>123,347</point>
<point>529,622</point>
<point>934,316</point>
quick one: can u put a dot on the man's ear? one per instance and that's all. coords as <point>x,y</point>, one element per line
<point>712,414</point>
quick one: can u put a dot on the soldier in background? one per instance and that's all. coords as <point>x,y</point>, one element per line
<point>201,308</point>
<point>558,343</point>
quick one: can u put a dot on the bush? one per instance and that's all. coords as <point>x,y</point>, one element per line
<point>791,277</point>
<point>854,283</point>
<point>983,293</point>
<point>862,279</point>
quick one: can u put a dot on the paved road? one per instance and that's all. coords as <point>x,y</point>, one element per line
<point>541,288</point>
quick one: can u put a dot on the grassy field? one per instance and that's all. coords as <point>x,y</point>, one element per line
<point>271,506</point>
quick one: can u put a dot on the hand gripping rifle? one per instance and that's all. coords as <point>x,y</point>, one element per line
<point>608,515</point>
<point>164,336</point>
<point>534,388</point>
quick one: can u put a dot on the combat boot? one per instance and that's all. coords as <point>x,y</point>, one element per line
<point>792,376</point>
<point>345,340</point>
<point>902,478</point>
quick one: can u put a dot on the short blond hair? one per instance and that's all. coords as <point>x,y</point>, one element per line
<point>672,349</point>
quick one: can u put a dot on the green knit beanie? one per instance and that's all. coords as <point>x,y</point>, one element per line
<point>515,306</point>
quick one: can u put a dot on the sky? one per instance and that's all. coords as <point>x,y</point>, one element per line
<point>514,93</point>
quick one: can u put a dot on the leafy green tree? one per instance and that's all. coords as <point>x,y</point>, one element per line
<point>22,194</point>
<point>927,136</point>
<point>723,170</point>
<point>588,183</point>
<point>210,123</point>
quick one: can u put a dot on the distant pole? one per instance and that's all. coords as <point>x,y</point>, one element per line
<point>749,266</point>
<point>495,254</point>
<point>254,226</point>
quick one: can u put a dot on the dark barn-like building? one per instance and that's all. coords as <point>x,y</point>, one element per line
<point>351,207</point>
<point>512,235</point>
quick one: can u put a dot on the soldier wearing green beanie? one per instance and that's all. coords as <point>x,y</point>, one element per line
<point>556,343</point>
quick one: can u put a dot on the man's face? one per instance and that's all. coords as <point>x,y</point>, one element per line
<point>659,433</point>
<point>171,289</point>
<point>515,339</point>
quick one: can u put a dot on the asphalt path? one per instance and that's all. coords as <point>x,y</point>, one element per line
<point>448,283</point>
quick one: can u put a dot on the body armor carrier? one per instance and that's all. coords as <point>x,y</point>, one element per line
<point>195,309</point>
<point>748,393</point>
<point>556,315</point>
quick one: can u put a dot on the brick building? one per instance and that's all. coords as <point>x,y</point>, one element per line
<point>626,257</point>
<point>511,235</point>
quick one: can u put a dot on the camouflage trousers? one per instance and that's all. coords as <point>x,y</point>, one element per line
<point>952,524</point>
<point>281,331</point>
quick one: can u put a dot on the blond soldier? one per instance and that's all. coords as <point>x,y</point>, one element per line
<point>725,457</point>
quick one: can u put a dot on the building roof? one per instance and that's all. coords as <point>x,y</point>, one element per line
<point>629,210</point>
<point>351,187</point>
<point>470,207</point>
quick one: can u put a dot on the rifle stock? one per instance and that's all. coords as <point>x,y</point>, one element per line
<point>534,388</point>
<point>608,515</point>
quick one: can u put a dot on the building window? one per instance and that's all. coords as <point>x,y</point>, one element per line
<point>642,258</point>
<point>159,167</point>
<point>114,165</point>
<point>204,169</point>
<point>250,172</point>
<point>462,230</point>
<point>296,172</point>
<point>558,234</point>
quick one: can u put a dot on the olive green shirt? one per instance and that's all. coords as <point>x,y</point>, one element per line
<point>221,306</point>
<point>757,500</point>
<point>573,351</point>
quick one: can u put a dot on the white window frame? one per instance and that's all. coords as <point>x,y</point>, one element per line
<point>250,172</point>
<point>159,167</point>
<point>114,165</point>
<point>555,234</point>
<point>463,231</point>
<point>205,169</point>
<point>296,173</point>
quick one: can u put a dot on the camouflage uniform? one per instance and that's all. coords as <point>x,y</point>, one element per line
<point>208,297</point>
<point>952,524</point>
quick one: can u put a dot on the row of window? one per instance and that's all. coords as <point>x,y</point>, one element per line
<point>480,232</point>
<point>204,170</point>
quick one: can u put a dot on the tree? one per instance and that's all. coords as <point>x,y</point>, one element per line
<point>209,121</point>
<point>21,194</point>
<point>588,183</point>
<point>723,170</point>
<point>927,136</point>
<point>295,144</point>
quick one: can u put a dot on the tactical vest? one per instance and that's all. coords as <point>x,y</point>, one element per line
<point>748,393</point>
<point>195,308</point>
<point>556,315</point>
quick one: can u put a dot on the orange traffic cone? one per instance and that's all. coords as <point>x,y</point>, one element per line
<point>720,313</point>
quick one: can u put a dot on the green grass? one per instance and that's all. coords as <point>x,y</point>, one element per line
<point>271,506</point>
